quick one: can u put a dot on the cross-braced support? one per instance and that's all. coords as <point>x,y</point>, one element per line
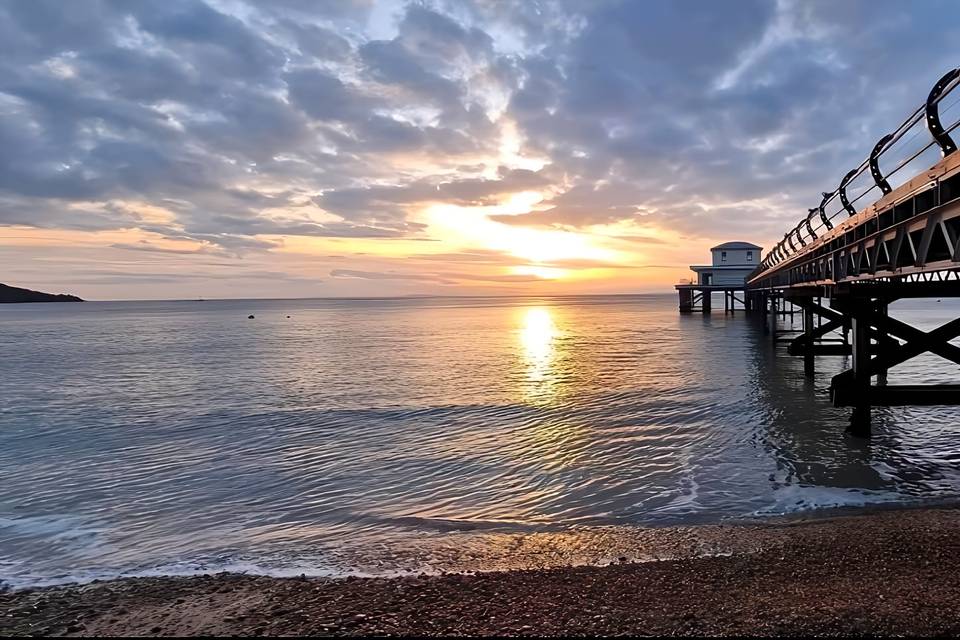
<point>818,323</point>
<point>869,319</point>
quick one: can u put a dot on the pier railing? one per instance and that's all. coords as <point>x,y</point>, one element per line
<point>911,229</point>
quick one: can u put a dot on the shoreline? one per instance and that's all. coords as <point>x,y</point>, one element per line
<point>888,571</point>
<point>589,545</point>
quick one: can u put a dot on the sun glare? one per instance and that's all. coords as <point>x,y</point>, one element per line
<point>472,227</point>
<point>538,336</point>
<point>544,273</point>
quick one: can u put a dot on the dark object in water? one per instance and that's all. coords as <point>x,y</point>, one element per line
<point>250,317</point>
<point>288,316</point>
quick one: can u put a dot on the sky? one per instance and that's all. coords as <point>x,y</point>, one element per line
<point>292,148</point>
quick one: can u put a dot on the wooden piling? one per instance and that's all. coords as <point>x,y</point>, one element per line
<point>882,340</point>
<point>808,363</point>
<point>773,318</point>
<point>860,419</point>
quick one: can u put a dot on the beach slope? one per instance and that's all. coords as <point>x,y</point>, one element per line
<point>891,573</point>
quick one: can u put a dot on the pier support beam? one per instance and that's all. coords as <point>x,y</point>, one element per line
<point>705,302</point>
<point>882,340</point>
<point>772,330</point>
<point>860,419</point>
<point>763,302</point>
<point>799,344</point>
<point>808,329</point>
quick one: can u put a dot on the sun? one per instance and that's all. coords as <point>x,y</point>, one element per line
<point>472,227</point>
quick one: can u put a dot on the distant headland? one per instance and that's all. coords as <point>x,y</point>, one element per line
<point>16,294</point>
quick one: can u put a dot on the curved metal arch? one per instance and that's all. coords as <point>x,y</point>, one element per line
<point>823,214</point>
<point>789,239</point>
<point>932,108</point>
<point>800,234</point>
<point>878,178</point>
<point>843,192</point>
<point>810,212</point>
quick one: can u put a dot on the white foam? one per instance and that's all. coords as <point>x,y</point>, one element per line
<point>184,569</point>
<point>793,499</point>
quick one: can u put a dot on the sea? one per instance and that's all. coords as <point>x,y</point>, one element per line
<point>387,436</point>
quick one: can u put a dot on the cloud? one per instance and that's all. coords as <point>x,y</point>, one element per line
<point>253,122</point>
<point>324,96</point>
<point>379,275</point>
<point>445,278</point>
<point>394,200</point>
<point>143,245</point>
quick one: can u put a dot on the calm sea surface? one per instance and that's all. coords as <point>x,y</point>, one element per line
<point>332,436</point>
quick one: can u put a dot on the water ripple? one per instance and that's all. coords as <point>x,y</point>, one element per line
<point>141,436</point>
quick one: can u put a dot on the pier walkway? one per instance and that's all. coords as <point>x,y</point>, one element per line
<point>844,266</point>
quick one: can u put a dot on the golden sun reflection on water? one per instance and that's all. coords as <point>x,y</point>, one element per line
<point>538,336</point>
<point>554,441</point>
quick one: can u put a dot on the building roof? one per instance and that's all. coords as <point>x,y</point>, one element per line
<point>735,245</point>
<point>747,266</point>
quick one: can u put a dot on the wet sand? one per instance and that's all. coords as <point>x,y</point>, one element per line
<point>889,572</point>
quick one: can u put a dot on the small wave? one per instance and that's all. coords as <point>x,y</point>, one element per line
<point>446,525</point>
<point>19,581</point>
<point>794,499</point>
<point>55,527</point>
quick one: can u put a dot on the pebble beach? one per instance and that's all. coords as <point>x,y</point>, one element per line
<point>888,572</point>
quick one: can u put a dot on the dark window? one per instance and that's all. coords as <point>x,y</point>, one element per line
<point>723,256</point>
<point>749,256</point>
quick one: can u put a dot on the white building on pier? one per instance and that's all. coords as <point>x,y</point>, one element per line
<point>732,263</point>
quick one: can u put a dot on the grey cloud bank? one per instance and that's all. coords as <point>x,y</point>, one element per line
<point>342,119</point>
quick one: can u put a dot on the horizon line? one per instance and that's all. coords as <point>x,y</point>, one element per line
<point>405,297</point>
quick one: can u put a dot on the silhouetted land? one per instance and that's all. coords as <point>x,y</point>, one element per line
<point>888,573</point>
<point>16,294</point>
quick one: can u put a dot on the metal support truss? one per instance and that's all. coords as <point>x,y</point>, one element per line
<point>852,388</point>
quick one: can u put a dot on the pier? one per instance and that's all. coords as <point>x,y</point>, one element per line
<point>842,267</point>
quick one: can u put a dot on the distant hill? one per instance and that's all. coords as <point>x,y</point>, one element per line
<point>16,294</point>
